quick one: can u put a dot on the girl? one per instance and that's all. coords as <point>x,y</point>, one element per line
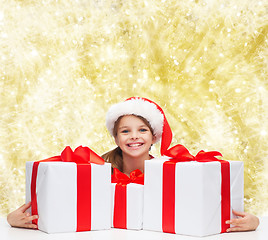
<point>136,124</point>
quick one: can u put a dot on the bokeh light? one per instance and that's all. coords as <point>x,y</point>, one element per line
<point>64,62</point>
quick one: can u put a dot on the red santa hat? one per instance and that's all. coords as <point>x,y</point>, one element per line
<point>147,109</point>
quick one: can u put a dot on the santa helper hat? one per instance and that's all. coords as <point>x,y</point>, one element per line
<point>147,109</point>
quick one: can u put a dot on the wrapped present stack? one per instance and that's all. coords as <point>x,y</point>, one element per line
<point>127,200</point>
<point>191,195</point>
<point>182,193</point>
<point>70,192</point>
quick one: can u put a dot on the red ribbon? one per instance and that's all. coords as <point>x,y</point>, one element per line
<point>82,156</point>
<point>179,153</point>
<point>79,155</point>
<point>120,196</point>
<point>135,176</point>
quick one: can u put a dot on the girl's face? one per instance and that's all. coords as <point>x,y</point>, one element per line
<point>134,137</point>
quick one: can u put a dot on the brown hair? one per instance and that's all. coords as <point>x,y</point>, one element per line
<point>115,156</point>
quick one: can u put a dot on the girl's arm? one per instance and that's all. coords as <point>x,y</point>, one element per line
<point>245,222</point>
<point>21,218</point>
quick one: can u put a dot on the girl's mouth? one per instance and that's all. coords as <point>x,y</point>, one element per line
<point>134,144</point>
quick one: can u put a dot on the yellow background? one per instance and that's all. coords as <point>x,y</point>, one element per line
<point>63,63</point>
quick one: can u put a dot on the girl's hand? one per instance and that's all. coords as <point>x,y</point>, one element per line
<point>246,222</point>
<point>20,218</point>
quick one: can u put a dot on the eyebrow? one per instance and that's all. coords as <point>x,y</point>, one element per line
<point>129,126</point>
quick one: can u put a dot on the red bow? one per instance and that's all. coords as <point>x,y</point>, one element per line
<point>179,153</point>
<point>79,155</point>
<point>136,176</point>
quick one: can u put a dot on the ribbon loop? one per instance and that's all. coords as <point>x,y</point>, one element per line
<point>136,176</point>
<point>179,153</point>
<point>67,155</point>
<point>79,155</point>
<point>202,155</point>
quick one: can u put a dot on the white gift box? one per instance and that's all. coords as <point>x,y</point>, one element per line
<point>197,195</point>
<point>134,205</point>
<point>56,192</point>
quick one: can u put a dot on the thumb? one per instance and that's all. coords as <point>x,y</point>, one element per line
<point>240,214</point>
<point>24,207</point>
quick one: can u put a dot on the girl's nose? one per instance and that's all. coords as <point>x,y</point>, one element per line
<point>134,135</point>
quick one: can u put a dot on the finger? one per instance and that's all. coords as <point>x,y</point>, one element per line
<point>235,229</point>
<point>31,218</point>
<point>30,225</point>
<point>237,222</point>
<point>24,207</point>
<point>240,214</point>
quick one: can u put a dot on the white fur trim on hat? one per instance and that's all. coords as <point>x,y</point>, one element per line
<point>139,107</point>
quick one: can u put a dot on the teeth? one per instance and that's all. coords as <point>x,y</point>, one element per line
<point>135,144</point>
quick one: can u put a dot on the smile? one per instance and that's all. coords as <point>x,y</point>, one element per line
<point>134,144</point>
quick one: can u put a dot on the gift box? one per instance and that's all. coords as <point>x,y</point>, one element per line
<point>191,195</point>
<point>127,200</point>
<point>71,192</point>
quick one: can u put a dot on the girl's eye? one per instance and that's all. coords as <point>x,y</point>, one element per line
<point>124,131</point>
<point>143,130</point>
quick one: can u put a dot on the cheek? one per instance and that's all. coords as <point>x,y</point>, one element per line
<point>149,139</point>
<point>119,140</point>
